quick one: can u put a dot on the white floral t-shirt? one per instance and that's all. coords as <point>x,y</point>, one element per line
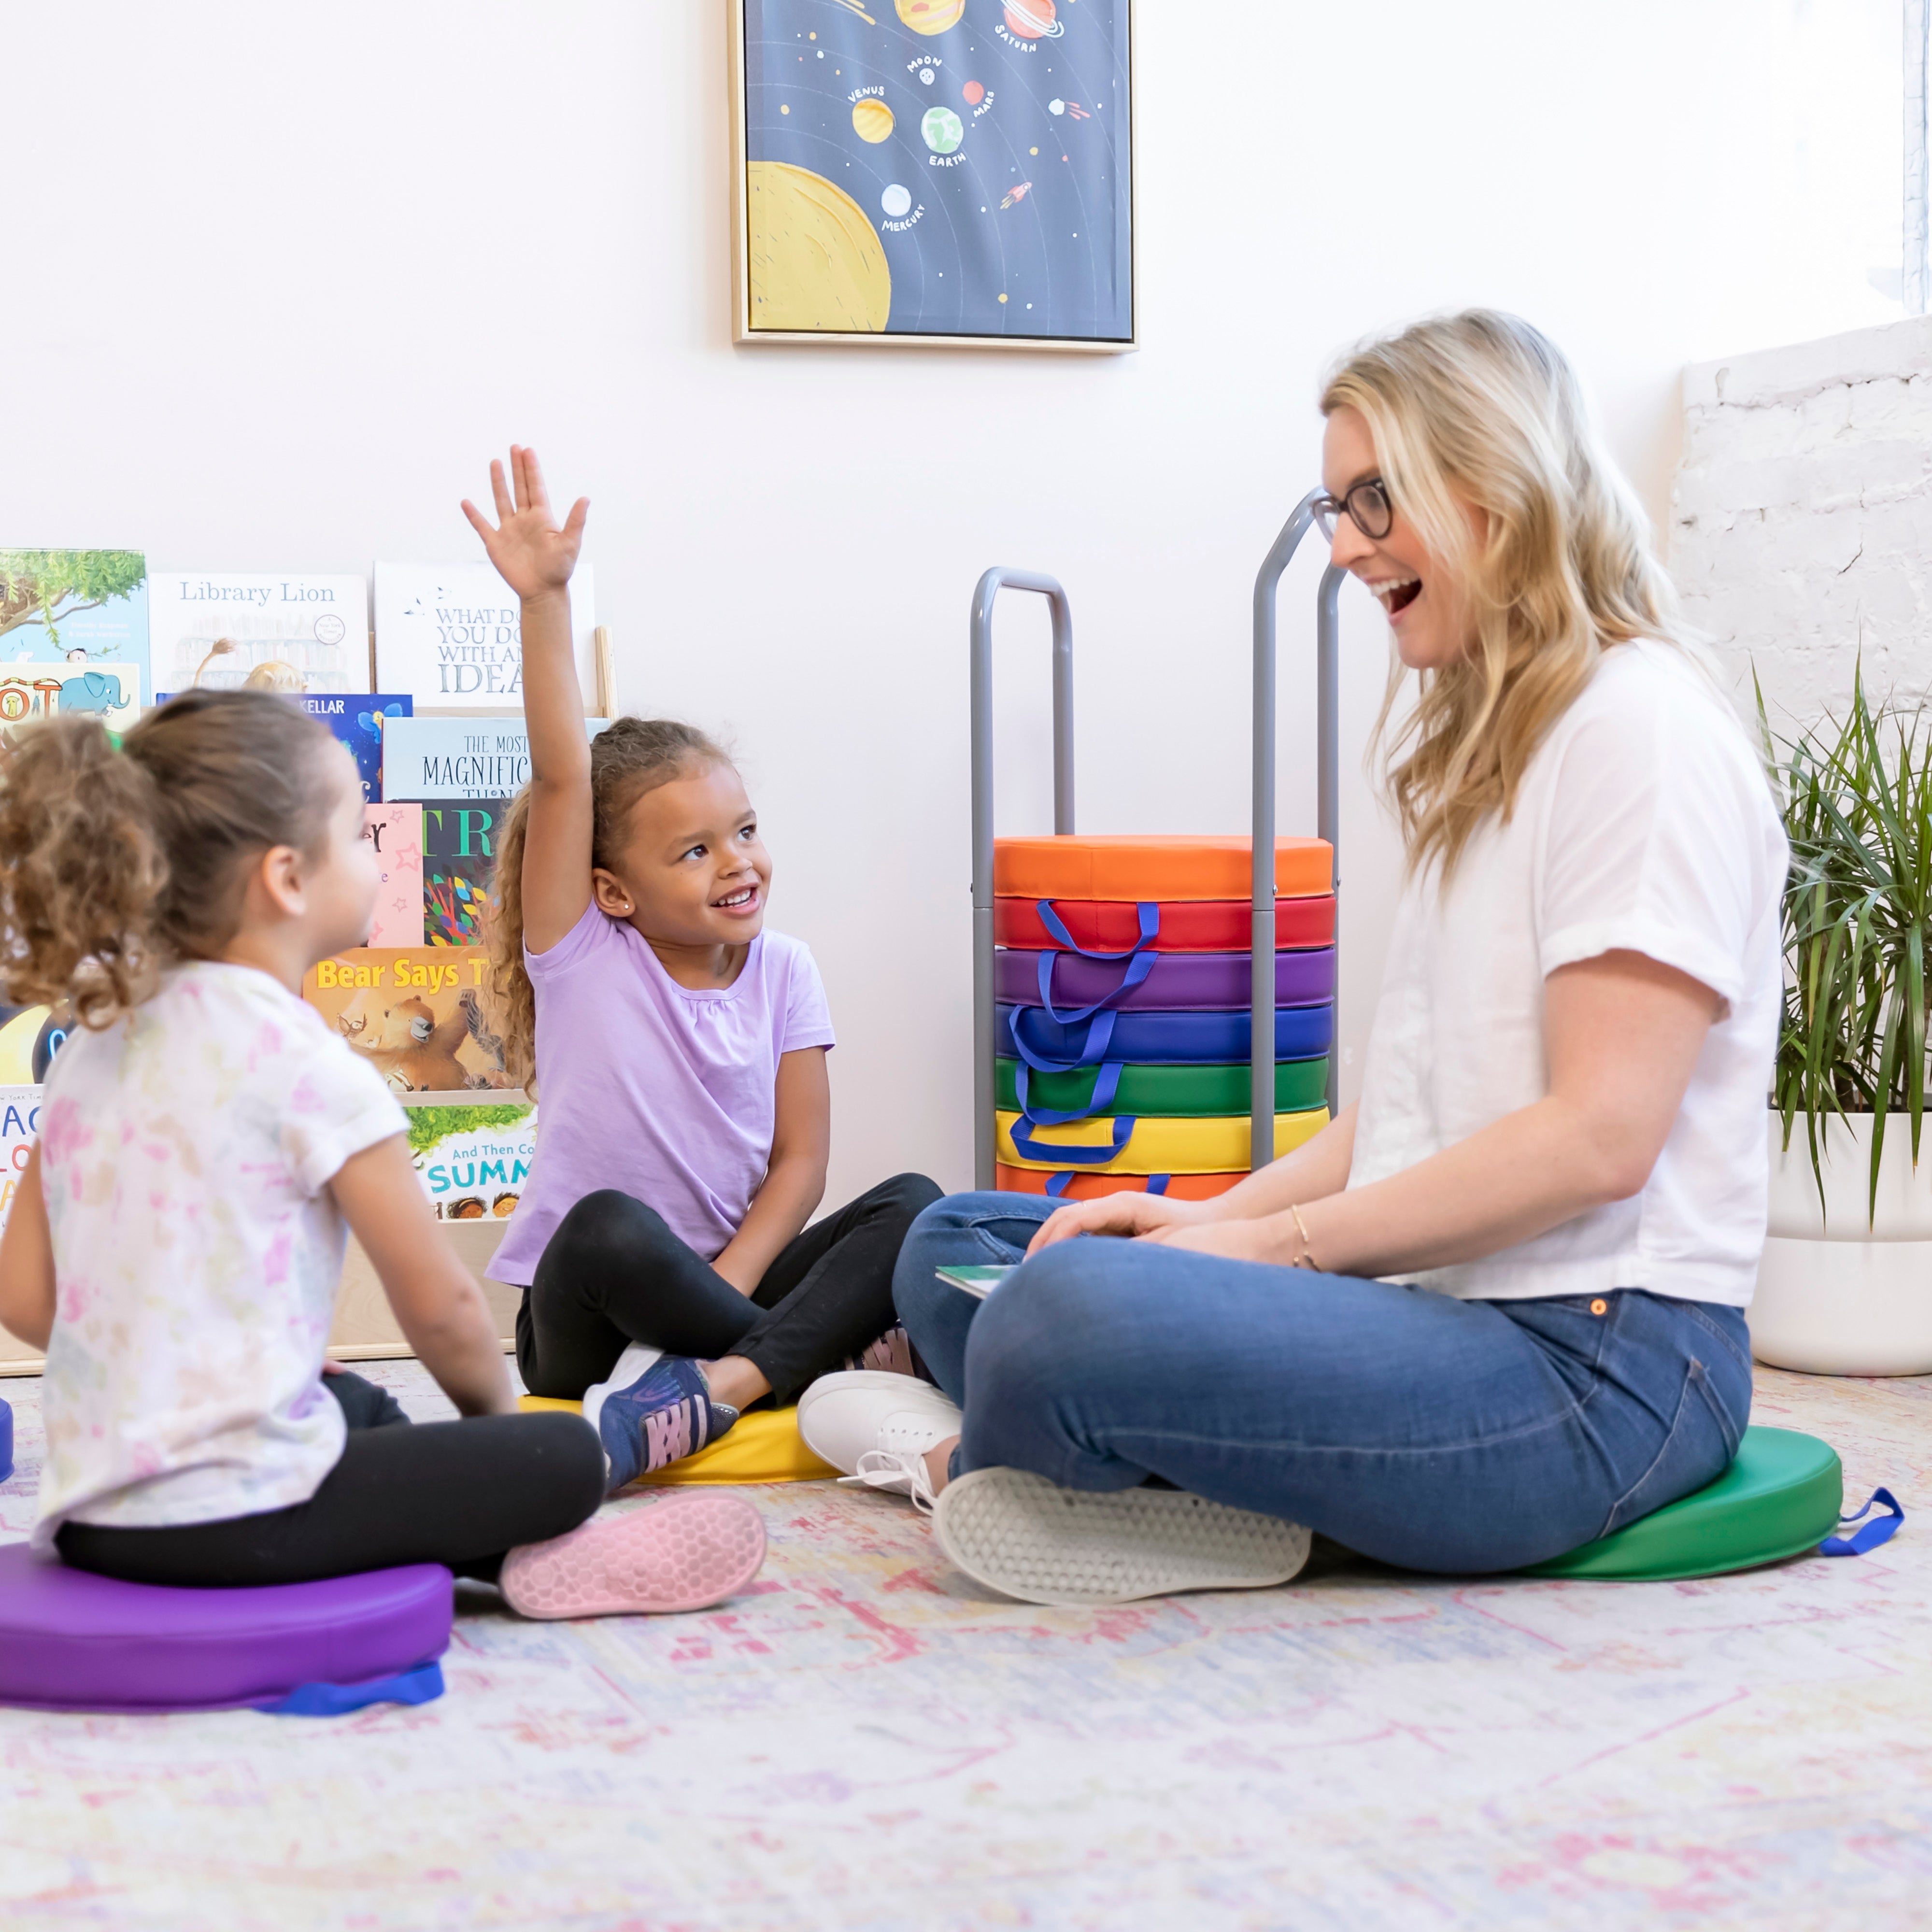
<point>185,1155</point>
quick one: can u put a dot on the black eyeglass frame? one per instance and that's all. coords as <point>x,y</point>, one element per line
<point>1329,510</point>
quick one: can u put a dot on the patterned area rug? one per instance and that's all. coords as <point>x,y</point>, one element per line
<point>864,1741</point>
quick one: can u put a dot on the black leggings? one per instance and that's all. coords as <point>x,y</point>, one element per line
<point>614,1273</point>
<point>463,1493</point>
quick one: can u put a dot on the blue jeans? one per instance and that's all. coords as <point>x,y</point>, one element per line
<point>1458,1436</point>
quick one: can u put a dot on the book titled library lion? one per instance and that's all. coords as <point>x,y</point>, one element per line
<point>473,1160</point>
<point>418,1014</point>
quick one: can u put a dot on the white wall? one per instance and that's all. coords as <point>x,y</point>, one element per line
<point>281,279</point>
<point>1802,520</point>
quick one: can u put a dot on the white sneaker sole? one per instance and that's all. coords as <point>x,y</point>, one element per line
<point>1022,1535</point>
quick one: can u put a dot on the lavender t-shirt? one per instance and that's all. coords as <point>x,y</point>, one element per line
<point>666,1093</point>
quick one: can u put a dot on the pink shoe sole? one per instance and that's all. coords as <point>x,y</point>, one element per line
<point>684,1553</point>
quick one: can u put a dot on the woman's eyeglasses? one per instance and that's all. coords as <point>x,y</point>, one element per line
<point>1365,504</point>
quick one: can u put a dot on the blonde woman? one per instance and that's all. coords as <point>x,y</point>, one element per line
<point>1496,1308</point>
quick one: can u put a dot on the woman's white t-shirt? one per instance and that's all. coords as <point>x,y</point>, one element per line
<point>1643,823</point>
<point>185,1155</point>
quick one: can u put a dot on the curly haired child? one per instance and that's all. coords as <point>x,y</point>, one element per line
<point>177,1237</point>
<point>669,1278</point>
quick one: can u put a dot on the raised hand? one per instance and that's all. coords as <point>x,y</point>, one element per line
<point>533,556</point>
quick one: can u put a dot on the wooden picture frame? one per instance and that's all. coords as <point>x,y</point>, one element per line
<point>881,98</point>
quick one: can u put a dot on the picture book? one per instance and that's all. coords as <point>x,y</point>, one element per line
<point>459,757</point>
<point>281,630</point>
<point>359,719</point>
<point>418,1014</point>
<point>396,832</point>
<point>19,1125</point>
<point>459,854</point>
<point>473,1160</point>
<point>110,691</point>
<point>451,634</point>
<point>30,1036</point>
<point>76,606</point>
<point>978,1281</point>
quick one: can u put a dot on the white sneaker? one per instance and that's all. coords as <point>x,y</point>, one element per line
<point>1028,1538</point>
<point>877,1427</point>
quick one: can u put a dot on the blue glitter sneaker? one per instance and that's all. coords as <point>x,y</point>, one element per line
<point>655,1409</point>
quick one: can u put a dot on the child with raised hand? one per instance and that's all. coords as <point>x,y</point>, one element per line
<point>176,1239</point>
<point>669,1278</point>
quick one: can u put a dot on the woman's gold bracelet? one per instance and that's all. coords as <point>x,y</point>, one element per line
<point>1304,1259</point>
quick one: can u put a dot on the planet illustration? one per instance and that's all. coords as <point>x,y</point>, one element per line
<point>895,201</point>
<point>813,255</point>
<point>872,120</point>
<point>972,94</point>
<point>932,16</point>
<point>1033,20</point>
<point>942,129</point>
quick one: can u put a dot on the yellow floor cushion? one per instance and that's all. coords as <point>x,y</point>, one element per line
<point>1156,1145</point>
<point>764,1446</point>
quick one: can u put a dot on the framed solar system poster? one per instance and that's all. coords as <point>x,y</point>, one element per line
<point>952,172</point>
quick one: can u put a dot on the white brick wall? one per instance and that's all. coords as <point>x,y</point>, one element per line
<point>1801,517</point>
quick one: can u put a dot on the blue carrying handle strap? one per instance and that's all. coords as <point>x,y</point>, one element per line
<point>1093,1050</point>
<point>1106,1084</point>
<point>1056,1183</point>
<point>1138,967</point>
<point>1149,923</point>
<point>1880,1529</point>
<point>1030,1149</point>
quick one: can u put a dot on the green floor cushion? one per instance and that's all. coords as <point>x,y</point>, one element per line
<point>1781,1497</point>
<point>1165,1091</point>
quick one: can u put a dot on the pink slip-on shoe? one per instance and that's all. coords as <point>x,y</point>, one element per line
<point>681,1553</point>
<point>892,1354</point>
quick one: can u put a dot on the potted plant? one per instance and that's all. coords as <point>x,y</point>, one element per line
<point>1845,1287</point>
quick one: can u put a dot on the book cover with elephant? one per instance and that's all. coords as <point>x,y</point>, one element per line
<point>418,1014</point>
<point>111,692</point>
<point>81,608</point>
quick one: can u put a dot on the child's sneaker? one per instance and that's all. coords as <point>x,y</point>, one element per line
<point>684,1553</point>
<point>877,1427</point>
<point>891,1355</point>
<point>655,1409</point>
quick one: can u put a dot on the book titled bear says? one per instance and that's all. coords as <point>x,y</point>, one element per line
<point>396,832</point>
<point>459,854</point>
<point>418,1014</point>
<point>473,1160</point>
<point>451,634</point>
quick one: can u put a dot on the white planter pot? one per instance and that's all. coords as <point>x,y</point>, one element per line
<point>1841,1291</point>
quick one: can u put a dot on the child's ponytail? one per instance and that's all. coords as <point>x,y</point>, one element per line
<point>81,872</point>
<point>627,758</point>
<point>114,864</point>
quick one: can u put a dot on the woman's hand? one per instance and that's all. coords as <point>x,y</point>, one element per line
<point>531,555</point>
<point>1128,1214</point>
<point>1260,1241</point>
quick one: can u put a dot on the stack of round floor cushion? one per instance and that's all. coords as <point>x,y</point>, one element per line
<point>1123,976</point>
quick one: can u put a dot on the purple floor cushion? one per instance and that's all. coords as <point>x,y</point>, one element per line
<point>71,1641</point>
